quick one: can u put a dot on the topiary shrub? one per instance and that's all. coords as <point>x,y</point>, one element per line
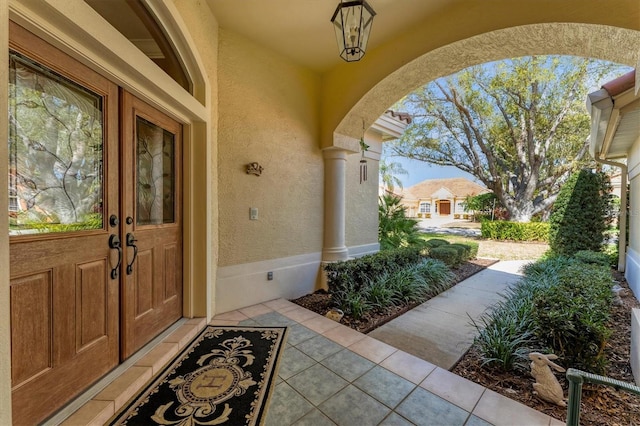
<point>436,242</point>
<point>579,216</point>
<point>449,255</point>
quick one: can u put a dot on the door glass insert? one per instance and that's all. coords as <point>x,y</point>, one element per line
<point>155,199</point>
<point>55,151</point>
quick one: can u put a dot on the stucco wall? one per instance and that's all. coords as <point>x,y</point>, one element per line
<point>361,221</point>
<point>268,114</point>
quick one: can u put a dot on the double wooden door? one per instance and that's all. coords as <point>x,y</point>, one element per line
<point>95,225</point>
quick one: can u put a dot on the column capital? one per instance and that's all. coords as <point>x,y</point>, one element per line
<point>334,153</point>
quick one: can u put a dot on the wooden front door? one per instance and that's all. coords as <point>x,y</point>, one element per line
<point>95,226</point>
<point>63,186</point>
<point>152,285</point>
<point>445,207</point>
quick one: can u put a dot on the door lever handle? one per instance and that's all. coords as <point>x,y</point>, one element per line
<point>131,240</point>
<point>114,244</point>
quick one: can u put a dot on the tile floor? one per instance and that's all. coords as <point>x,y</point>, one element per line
<point>333,375</point>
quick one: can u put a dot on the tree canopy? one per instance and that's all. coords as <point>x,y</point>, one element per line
<point>520,126</point>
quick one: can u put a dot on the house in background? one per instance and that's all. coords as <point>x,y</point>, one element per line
<point>440,197</point>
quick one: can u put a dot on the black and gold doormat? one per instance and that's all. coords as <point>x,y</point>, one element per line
<point>223,377</point>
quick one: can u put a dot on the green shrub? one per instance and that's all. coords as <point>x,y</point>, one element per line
<point>380,295</point>
<point>408,285</point>
<point>436,242</point>
<point>579,216</point>
<point>571,316</point>
<point>395,229</point>
<point>450,256</point>
<point>352,301</point>
<point>436,275</point>
<point>515,231</point>
<point>354,273</point>
<point>561,305</point>
<point>593,257</point>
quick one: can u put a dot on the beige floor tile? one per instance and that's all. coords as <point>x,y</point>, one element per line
<point>232,316</point>
<point>158,356</point>
<point>223,322</point>
<point>125,386</point>
<point>280,305</point>
<point>455,389</point>
<point>408,366</point>
<point>372,349</point>
<point>255,310</point>
<point>182,335</point>
<point>320,324</point>
<point>300,314</point>
<point>343,335</point>
<point>502,411</point>
<point>92,413</point>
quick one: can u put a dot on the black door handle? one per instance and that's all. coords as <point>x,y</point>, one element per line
<point>114,244</point>
<point>131,240</point>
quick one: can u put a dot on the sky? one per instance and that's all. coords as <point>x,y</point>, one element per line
<point>419,170</point>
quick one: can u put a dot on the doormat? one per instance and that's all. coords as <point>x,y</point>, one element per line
<point>224,376</point>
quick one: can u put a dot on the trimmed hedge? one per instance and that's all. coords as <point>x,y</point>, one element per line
<point>515,231</point>
<point>449,255</point>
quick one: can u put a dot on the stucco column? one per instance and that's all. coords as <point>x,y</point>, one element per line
<point>335,170</point>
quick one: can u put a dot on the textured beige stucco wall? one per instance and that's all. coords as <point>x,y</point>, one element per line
<point>268,114</point>
<point>361,221</point>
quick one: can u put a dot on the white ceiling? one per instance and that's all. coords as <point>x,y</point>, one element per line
<point>302,29</point>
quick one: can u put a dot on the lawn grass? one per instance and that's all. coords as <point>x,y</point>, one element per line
<point>503,250</point>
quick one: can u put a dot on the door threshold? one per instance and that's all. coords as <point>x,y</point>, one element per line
<point>96,388</point>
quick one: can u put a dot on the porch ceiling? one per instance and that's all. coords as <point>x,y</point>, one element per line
<point>301,29</point>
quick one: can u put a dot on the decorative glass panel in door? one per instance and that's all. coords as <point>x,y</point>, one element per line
<point>63,176</point>
<point>155,174</point>
<point>55,151</point>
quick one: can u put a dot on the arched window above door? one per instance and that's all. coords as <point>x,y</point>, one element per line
<point>139,25</point>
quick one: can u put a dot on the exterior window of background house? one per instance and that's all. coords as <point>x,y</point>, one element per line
<point>425,207</point>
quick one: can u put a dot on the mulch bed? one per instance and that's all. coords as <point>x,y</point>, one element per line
<point>320,301</point>
<point>600,405</point>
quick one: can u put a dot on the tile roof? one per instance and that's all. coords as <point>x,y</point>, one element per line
<point>459,187</point>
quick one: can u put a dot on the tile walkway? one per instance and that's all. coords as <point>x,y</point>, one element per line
<point>332,375</point>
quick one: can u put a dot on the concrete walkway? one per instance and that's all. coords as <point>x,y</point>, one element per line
<point>439,331</point>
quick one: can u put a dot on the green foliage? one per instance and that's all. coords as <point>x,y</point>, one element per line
<point>436,242</point>
<point>515,231</point>
<point>354,273</point>
<point>612,251</point>
<point>593,257</point>
<point>482,204</point>
<point>385,279</point>
<point>561,305</point>
<point>395,229</point>
<point>571,316</point>
<point>483,118</point>
<point>449,255</point>
<point>352,301</point>
<point>579,216</point>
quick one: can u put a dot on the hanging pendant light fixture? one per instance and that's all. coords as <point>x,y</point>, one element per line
<point>352,22</point>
